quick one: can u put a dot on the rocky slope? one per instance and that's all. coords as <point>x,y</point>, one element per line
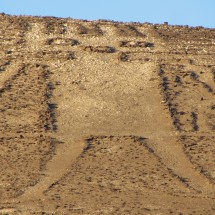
<point>106,118</point>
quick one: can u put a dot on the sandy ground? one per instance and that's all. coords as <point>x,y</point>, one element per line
<point>106,118</point>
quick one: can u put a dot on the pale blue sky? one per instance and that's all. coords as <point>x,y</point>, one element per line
<point>180,12</point>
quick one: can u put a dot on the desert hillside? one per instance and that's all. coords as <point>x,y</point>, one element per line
<point>106,118</point>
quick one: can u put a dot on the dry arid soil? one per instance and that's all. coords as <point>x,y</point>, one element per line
<point>106,118</point>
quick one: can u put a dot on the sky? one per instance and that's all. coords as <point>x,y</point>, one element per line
<point>175,12</point>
